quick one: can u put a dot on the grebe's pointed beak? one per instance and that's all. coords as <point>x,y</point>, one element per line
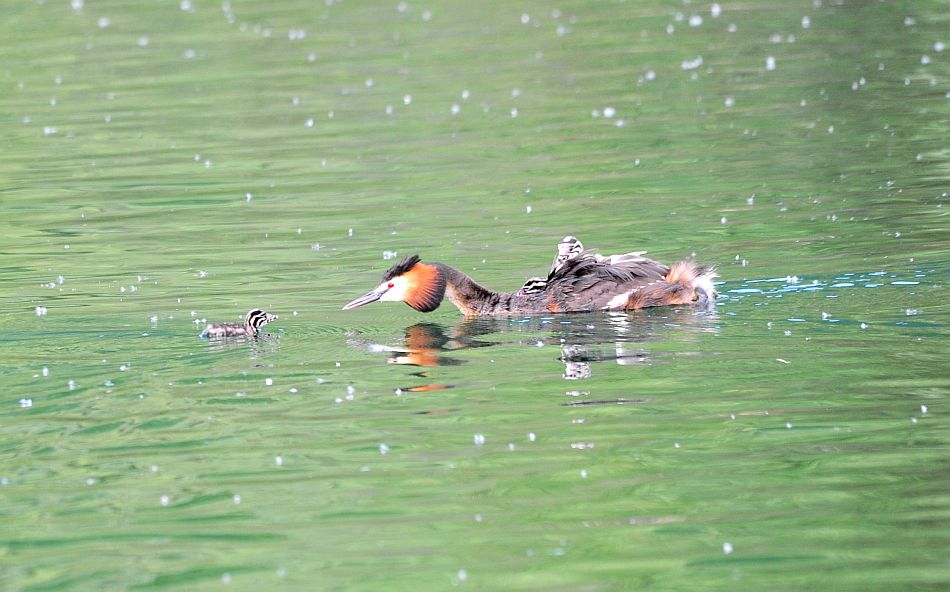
<point>363,300</point>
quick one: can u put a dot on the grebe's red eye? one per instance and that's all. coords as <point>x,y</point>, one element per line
<point>391,285</point>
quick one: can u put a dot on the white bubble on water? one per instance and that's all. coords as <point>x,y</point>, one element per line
<point>26,403</point>
<point>383,448</point>
<point>525,18</point>
<point>727,548</point>
<point>692,64</point>
<point>479,439</point>
<point>770,63</point>
<point>715,10</point>
<point>164,500</point>
<point>695,20</point>
<point>279,461</point>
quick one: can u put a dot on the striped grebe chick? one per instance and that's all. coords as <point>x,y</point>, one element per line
<point>253,321</point>
<point>569,248</point>
<point>585,283</point>
<point>534,285</point>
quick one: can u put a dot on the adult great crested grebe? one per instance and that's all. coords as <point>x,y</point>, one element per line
<point>582,282</point>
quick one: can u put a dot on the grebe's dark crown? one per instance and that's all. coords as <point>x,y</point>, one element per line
<point>401,267</point>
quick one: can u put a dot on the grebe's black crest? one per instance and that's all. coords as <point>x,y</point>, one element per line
<point>401,268</point>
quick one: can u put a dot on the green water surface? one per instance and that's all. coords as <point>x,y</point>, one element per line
<point>166,163</point>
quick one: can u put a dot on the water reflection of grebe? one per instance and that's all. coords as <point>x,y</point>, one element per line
<point>583,339</point>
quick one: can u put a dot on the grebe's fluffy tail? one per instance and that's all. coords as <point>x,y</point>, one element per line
<point>696,277</point>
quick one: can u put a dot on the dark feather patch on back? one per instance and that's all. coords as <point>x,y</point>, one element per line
<point>401,267</point>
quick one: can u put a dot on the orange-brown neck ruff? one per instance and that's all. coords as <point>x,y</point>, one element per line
<point>426,287</point>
